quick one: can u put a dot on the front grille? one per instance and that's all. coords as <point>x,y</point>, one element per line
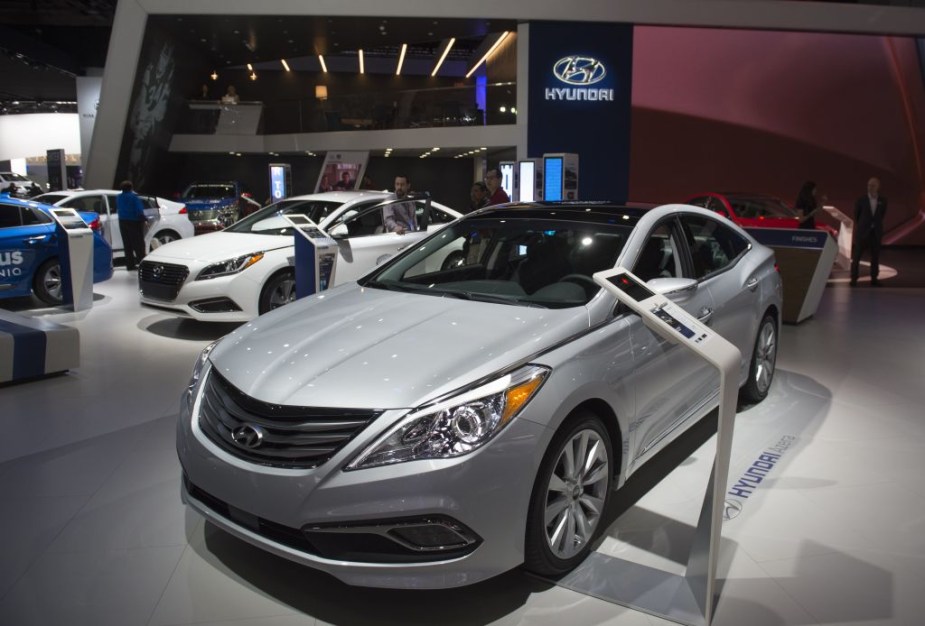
<point>205,214</point>
<point>274,434</point>
<point>161,281</point>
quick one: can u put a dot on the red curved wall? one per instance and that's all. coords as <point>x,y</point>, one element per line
<point>762,111</point>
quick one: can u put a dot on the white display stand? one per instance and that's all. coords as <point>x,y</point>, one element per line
<point>315,256</point>
<point>75,245</point>
<point>687,599</point>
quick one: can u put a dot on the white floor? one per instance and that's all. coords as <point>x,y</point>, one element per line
<point>92,531</point>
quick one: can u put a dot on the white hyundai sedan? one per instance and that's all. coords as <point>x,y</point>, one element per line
<point>167,220</point>
<point>248,269</point>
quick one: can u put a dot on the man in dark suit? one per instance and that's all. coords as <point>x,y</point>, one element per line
<point>868,231</point>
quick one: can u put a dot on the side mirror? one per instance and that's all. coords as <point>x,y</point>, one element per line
<point>339,232</point>
<point>668,286</point>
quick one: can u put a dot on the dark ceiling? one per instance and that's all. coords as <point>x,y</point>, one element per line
<point>45,44</point>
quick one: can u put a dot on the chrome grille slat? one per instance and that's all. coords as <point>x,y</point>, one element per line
<point>291,436</point>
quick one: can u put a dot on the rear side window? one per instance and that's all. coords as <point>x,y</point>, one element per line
<point>714,246</point>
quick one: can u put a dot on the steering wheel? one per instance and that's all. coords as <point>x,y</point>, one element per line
<point>581,279</point>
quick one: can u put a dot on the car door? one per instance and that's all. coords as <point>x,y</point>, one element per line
<point>368,243</point>
<point>109,220</point>
<point>26,240</point>
<point>671,382</point>
<point>716,250</point>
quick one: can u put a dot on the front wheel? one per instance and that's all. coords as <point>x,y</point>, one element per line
<point>279,291</point>
<point>47,283</point>
<point>569,497</point>
<point>764,359</point>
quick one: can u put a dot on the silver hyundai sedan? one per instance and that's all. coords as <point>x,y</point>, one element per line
<point>470,405</point>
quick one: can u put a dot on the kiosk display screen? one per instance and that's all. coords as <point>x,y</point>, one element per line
<point>552,183</point>
<point>633,288</point>
<point>527,181</point>
<point>69,219</point>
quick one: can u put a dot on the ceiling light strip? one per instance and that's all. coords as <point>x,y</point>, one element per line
<point>446,51</point>
<point>285,65</point>
<point>489,53</point>
<point>362,63</point>
<point>401,59</point>
<point>324,67</point>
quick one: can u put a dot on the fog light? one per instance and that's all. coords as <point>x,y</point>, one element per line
<point>432,536</point>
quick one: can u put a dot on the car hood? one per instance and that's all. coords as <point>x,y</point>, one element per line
<point>368,348</point>
<point>216,247</point>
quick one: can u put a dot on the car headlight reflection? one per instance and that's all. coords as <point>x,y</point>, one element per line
<point>456,426</point>
<point>198,368</point>
<point>231,266</point>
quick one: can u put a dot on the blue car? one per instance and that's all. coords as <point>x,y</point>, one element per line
<point>29,251</point>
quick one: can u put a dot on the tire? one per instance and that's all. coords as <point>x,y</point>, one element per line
<point>568,503</point>
<point>279,291</point>
<point>47,283</point>
<point>162,237</point>
<point>456,258</point>
<point>764,359</point>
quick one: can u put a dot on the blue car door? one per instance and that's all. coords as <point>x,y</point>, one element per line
<point>26,240</point>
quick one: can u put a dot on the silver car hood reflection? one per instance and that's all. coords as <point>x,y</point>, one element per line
<point>358,347</point>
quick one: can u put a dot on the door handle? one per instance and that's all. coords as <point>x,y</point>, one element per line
<point>705,314</point>
<point>752,283</point>
<point>31,241</point>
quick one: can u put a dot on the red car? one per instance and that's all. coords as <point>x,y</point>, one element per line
<point>753,210</point>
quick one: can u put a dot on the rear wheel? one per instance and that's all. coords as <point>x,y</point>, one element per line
<point>279,291</point>
<point>764,360</point>
<point>47,283</point>
<point>569,496</point>
<point>162,237</point>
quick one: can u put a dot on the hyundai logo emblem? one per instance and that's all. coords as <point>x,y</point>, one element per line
<point>157,271</point>
<point>579,70</point>
<point>248,436</point>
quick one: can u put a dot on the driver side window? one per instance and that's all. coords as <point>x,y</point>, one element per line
<point>659,256</point>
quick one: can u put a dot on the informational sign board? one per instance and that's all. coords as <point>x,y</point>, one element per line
<point>687,599</point>
<point>75,252</point>
<point>315,256</point>
<point>280,181</point>
<point>560,176</point>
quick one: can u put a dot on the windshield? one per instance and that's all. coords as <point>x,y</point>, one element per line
<point>525,262</point>
<point>269,220</point>
<point>210,191</point>
<point>15,177</point>
<point>49,198</point>
<point>745,206</point>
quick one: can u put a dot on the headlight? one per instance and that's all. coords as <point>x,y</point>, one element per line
<point>198,368</point>
<point>456,426</point>
<point>231,266</point>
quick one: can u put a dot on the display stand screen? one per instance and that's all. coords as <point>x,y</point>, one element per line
<point>631,287</point>
<point>527,181</point>
<point>552,186</point>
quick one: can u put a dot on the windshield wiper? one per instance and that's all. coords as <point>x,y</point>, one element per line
<point>487,297</point>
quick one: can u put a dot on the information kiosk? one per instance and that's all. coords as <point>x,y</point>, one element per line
<point>805,258</point>
<point>530,180</point>
<point>75,251</point>
<point>315,256</point>
<point>560,176</point>
<point>687,599</point>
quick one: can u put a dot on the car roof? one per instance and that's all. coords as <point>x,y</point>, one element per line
<point>342,196</point>
<point>598,212</point>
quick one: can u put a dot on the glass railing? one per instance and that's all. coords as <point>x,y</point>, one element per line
<point>419,108</point>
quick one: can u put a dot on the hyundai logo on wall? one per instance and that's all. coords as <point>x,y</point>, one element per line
<point>576,70</point>
<point>579,72</point>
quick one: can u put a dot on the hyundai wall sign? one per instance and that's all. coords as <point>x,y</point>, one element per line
<point>579,73</point>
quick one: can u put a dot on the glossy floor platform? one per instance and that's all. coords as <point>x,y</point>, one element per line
<point>93,533</point>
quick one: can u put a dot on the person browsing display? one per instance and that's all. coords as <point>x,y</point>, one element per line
<point>493,182</point>
<point>400,217</point>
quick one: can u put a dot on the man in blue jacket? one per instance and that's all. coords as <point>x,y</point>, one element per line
<point>131,224</point>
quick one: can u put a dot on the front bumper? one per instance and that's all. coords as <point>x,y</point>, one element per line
<point>288,512</point>
<point>224,299</point>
